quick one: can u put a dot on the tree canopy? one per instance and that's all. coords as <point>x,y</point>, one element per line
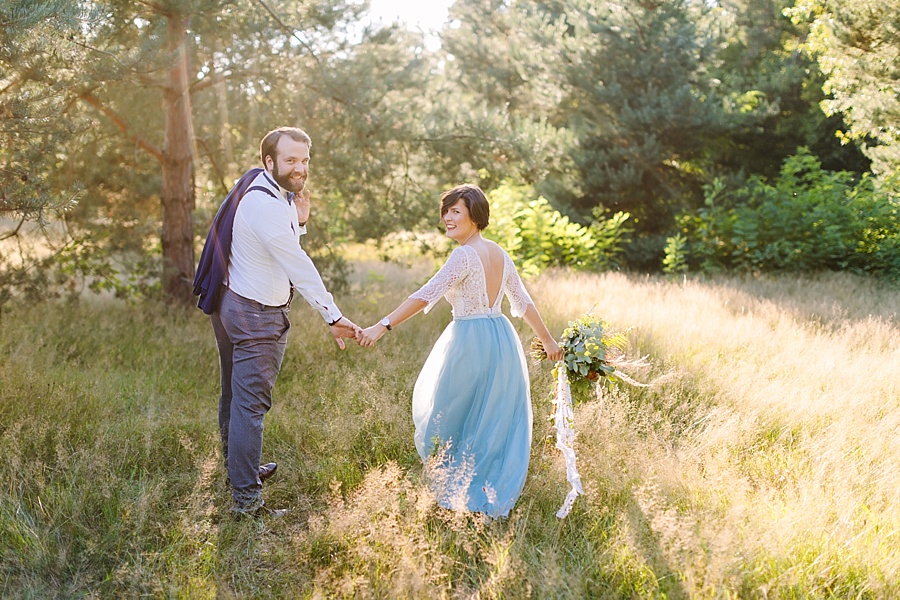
<point>31,102</point>
<point>146,112</point>
<point>858,49</point>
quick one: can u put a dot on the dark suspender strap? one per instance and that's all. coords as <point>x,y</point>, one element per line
<point>259,188</point>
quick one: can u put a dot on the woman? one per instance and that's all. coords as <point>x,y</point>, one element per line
<point>472,400</point>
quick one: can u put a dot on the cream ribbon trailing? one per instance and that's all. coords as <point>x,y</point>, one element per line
<point>565,437</point>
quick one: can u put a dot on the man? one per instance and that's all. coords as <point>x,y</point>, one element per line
<point>266,264</point>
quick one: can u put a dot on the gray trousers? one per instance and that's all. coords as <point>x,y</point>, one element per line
<point>251,338</point>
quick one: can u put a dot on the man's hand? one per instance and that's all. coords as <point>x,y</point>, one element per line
<point>344,328</point>
<point>301,203</point>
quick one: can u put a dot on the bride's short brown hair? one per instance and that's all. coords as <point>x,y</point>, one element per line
<point>474,199</point>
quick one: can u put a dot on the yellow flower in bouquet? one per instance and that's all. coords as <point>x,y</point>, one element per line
<point>591,354</point>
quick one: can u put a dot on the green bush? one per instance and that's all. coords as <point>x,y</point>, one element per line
<point>675,259</point>
<point>538,237</point>
<point>809,220</point>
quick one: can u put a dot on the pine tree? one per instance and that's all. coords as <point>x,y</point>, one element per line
<point>647,110</point>
<point>134,75</point>
<point>32,42</point>
<point>772,92</point>
<point>857,43</point>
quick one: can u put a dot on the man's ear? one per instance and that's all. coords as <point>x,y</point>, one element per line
<point>269,162</point>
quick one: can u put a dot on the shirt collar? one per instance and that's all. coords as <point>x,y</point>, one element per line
<point>284,193</point>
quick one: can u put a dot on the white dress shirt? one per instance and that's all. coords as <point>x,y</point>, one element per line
<point>266,257</point>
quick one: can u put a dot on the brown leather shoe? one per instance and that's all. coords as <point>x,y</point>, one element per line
<point>272,513</point>
<point>260,512</point>
<point>267,470</point>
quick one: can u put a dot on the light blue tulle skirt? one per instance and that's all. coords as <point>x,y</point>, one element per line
<point>472,412</point>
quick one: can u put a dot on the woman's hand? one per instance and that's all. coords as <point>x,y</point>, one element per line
<point>370,335</point>
<point>554,352</point>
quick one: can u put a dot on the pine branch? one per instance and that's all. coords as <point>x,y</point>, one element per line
<point>291,32</point>
<point>14,232</point>
<point>213,79</point>
<point>454,137</point>
<point>18,79</point>
<point>150,82</point>
<point>157,8</point>
<point>217,168</point>
<point>72,40</point>
<point>119,122</point>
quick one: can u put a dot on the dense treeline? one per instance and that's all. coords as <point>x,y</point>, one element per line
<point>127,121</point>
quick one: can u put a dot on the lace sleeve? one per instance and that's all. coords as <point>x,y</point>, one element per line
<point>454,270</point>
<point>515,290</point>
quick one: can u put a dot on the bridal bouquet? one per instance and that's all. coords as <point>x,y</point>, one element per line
<point>591,355</point>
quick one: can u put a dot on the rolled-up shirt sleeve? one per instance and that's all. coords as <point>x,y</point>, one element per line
<point>281,238</point>
<point>304,276</point>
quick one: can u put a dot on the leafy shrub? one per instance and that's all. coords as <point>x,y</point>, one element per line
<point>538,237</point>
<point>810,219</point>
<point>675,260</point>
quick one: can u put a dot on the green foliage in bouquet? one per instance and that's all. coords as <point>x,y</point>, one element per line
<point>591,355</point>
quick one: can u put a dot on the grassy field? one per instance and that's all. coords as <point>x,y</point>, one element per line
<point>763,463</point>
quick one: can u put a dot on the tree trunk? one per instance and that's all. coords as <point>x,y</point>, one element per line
<point>225,122</point>
<point>177,192</point>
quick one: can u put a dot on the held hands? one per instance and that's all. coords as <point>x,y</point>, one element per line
<point>369,336</point>
<point>345,328</point>
<point>554,352</point>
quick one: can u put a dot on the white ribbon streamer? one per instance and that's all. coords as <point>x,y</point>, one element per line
<point>565,437</point>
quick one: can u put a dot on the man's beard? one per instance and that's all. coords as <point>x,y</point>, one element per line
<point>286,182</point>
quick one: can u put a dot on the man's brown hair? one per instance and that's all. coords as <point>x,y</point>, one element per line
<point>269,143</point>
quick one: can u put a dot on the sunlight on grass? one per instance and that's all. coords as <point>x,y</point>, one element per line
<point>763,462</point>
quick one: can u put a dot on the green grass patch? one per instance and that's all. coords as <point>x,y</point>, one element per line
<point>743,472</point>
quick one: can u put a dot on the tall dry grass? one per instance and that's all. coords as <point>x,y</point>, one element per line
<point>761,464</point>
<point>764,463</point>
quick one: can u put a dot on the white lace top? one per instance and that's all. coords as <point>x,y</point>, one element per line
<point>463,282</point>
